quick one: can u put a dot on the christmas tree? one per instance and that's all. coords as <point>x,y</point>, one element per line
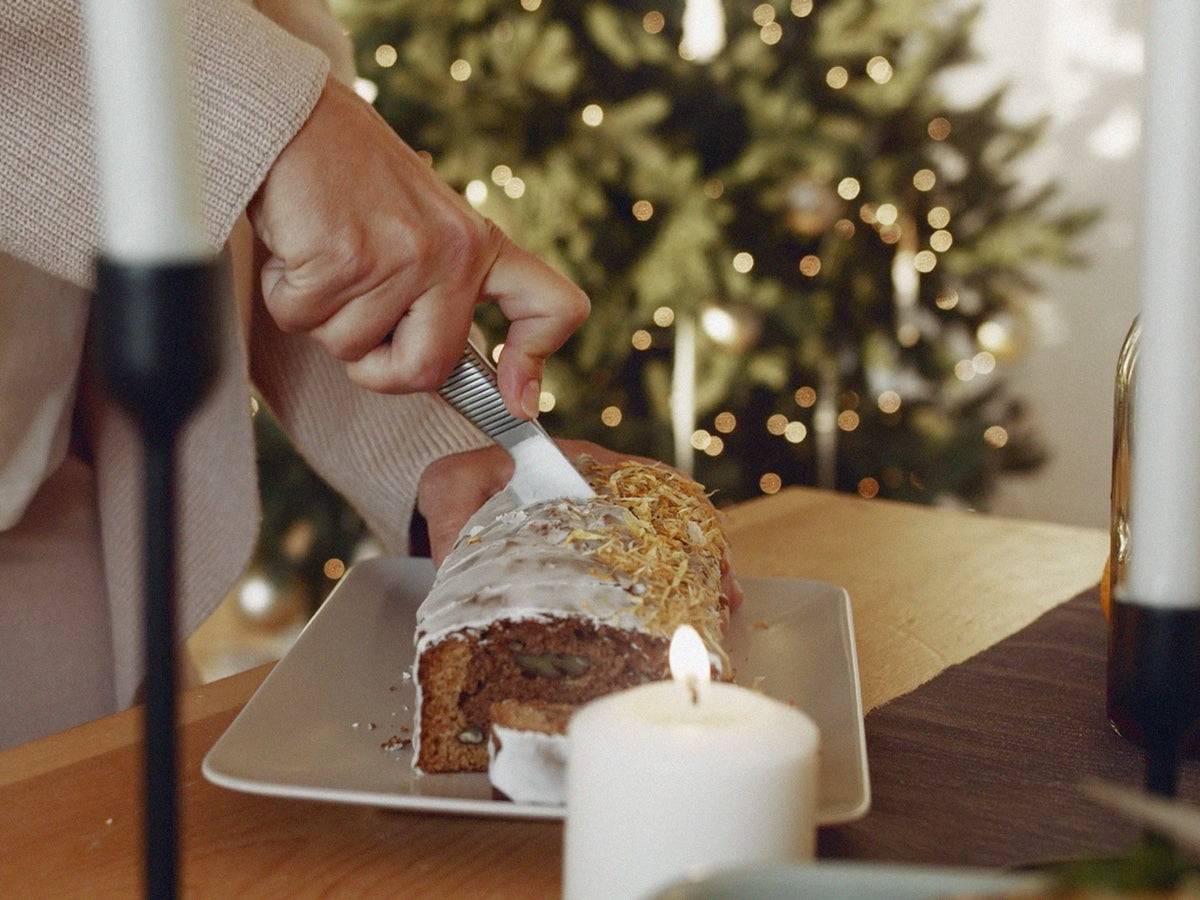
<point>804,268</point>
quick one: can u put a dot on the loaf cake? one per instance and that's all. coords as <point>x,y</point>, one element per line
<point>558,602</point>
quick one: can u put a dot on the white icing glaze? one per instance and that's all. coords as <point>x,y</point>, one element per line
<point>513,563</point>
<point>528,766</point>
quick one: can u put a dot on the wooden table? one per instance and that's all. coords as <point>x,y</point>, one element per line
<point>930,589</point>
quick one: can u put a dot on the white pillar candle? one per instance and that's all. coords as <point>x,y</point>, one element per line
<point>146,137</point>
<point>682,777</point>
<point>1164,568</point>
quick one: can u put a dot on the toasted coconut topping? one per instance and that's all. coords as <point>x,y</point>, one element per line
<point>672,545</point>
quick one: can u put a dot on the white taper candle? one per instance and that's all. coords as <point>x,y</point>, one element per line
<point>683,392</point>
<point>1164,567</point>
<point>145,130</point>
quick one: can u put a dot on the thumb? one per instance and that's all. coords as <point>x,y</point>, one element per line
<point>543,308</point>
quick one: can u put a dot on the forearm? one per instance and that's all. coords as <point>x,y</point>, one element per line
<point>253,83</point>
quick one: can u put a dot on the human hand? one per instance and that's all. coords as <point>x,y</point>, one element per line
<point>382,262</point>
<point>453,488</point>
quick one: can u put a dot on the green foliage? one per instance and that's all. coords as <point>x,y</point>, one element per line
<point>745,154</point>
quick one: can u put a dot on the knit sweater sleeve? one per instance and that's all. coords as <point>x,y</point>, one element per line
<point>253,86</point>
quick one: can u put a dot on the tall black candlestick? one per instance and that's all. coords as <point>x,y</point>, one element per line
<point>1154,683</point>
<point>156,328</point>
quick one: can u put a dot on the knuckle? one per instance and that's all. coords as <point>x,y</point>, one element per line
<point>416,371</point>
<point>291,313</point>
<point>343,348</point>
<point>466,241</point>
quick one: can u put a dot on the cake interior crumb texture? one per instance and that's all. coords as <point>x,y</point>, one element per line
<point>568,661</point>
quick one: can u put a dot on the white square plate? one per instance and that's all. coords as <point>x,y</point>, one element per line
<point>328,721</point>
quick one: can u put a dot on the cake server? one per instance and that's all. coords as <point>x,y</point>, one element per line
<point>540,472</point>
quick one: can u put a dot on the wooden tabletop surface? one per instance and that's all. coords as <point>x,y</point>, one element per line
<point>930,588</point>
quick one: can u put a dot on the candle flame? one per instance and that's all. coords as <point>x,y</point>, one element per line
<point>688,658</point>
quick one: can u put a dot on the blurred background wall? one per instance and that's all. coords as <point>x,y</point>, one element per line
<point>1080,62</point>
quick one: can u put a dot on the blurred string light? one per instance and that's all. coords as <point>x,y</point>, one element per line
<point>889,402</point>
<point>734,327</point>
<point>837,78</point>
<point>718,323</point>
<point>996,436</point>
<point>592,115</point>
<point>764,18</point>
<point>879,70</point>
<point>983,363</point>
<point>367,89</point>
<point>476,192</point>
<point>996,336</point>
<point>663,316</point>
<point>938,217</point>
<point>770,483</point>
<point>848,188</point>
<point>386,56</point>
<point>924,179</point>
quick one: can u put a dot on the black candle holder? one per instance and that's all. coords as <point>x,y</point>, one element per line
<point>1154,683</point>
<point>156,332</point>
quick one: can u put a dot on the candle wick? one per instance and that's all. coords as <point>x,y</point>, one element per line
<point>693,690</point>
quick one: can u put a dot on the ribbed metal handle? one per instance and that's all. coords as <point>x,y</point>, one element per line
<point>472,389</point>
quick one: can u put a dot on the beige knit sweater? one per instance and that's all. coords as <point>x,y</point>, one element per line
<point>69,509</point>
